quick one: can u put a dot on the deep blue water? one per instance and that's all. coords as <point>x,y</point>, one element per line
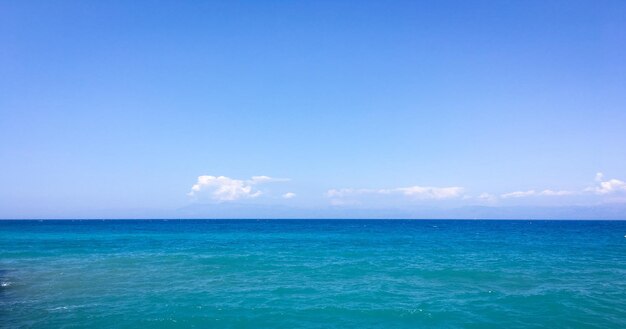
<point>313,274</point>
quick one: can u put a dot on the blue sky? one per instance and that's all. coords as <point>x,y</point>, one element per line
<point>120,108</point>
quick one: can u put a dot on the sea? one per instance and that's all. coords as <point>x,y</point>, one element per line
<point>312,274</point>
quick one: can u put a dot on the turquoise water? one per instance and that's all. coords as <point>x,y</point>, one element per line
<point>313,274</point>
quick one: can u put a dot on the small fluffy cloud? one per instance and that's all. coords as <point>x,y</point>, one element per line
<point>289,195</point>
<point>415,192</point>
<point>222,188</point>
<point>518,194</point>
<point>344,192</point>
<point>431,192</point>
<point>602,187</point>
<point>523,194</point>
<point>607,186</point>
<point>265,179</point>
<point>556,193</point>
<point>487,197</point>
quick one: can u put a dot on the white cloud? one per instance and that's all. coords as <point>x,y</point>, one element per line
<point>518,194</point>
<point>602,187</point>
<point>222,188</point>
<point>340,193</point>
<point>608,186</point>
<point>548,192</point>
<point>599,177</point>
<point>289,195</point>
<point>416,192</point>
<point>421,192</point>
<point>266,179</point>
<point>556,193</point>
<point>487,197</point>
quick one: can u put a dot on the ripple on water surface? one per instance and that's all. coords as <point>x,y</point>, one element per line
<point>313,274</point>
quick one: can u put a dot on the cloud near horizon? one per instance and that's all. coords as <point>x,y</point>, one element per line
<point>602,187</point>
<point>608,186</point>
<point>222,188</point>
<point>414,192</point>
<point>289,195</point>
<point>548,192</point>
<point>350,196</point>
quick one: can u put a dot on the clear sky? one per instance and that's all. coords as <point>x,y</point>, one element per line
<point>133,108</point>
